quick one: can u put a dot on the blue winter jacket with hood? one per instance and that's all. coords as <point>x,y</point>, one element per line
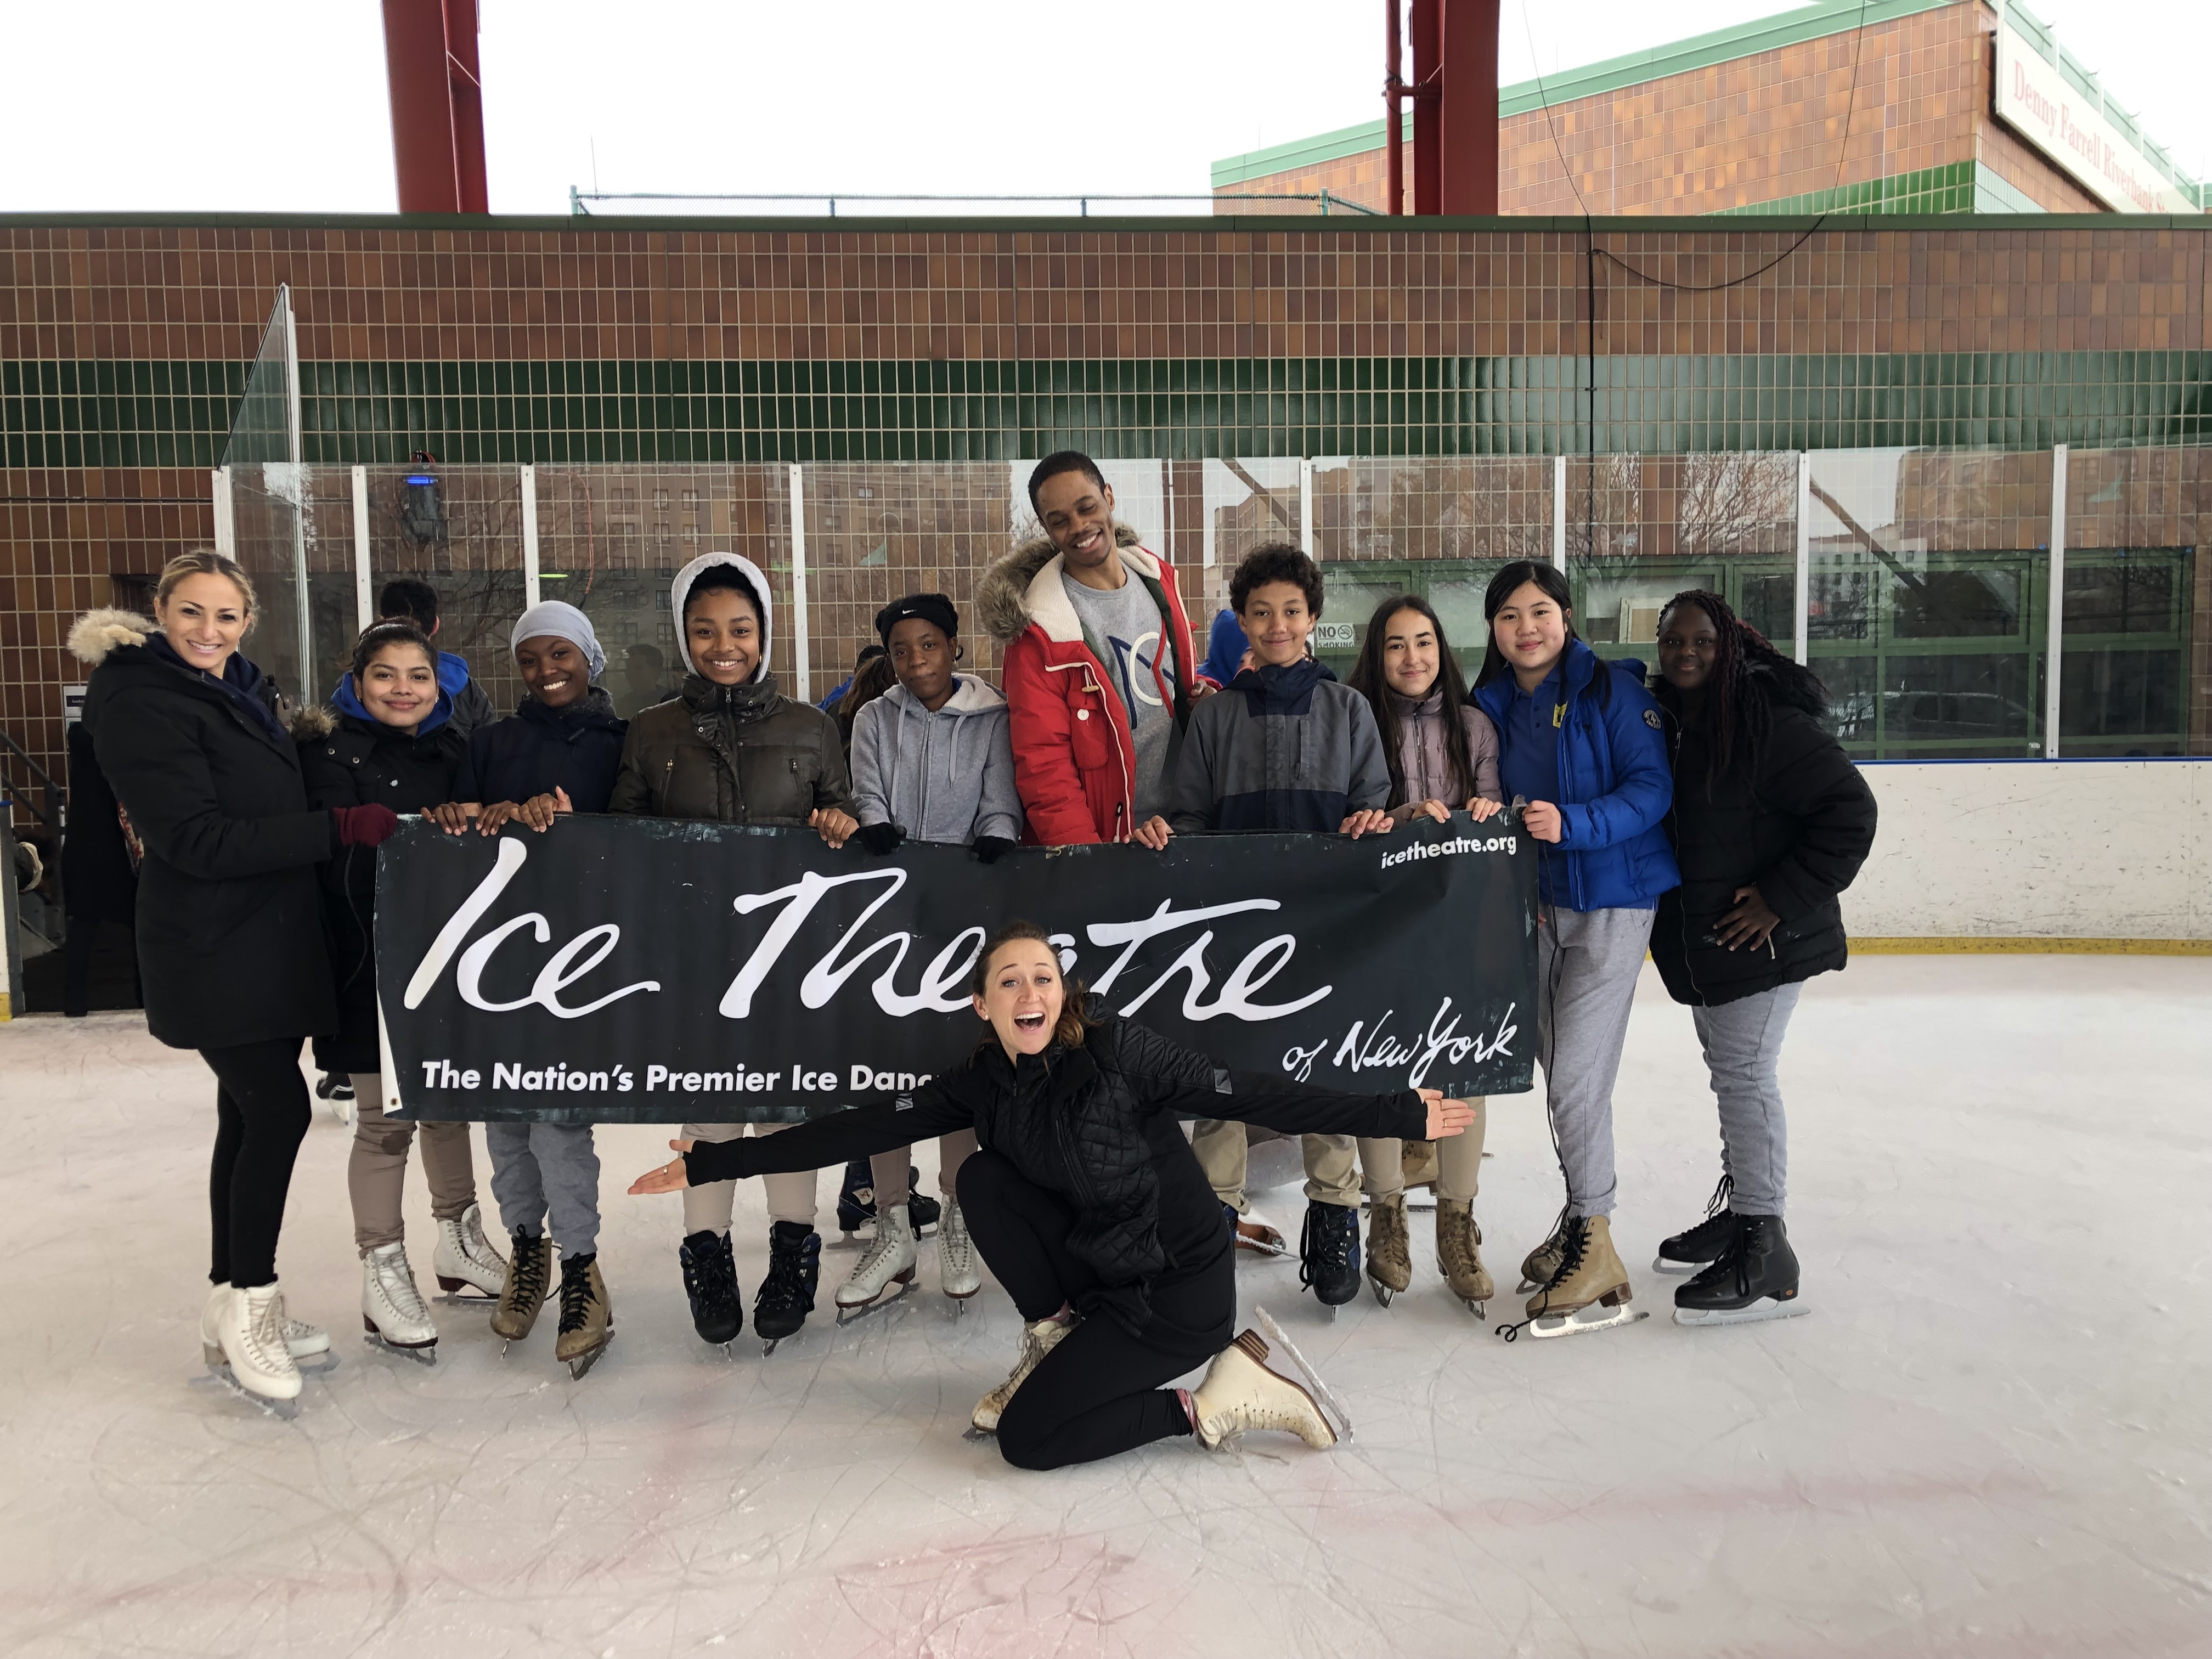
<point>1615,786</point>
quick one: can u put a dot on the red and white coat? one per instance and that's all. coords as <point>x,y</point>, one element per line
<point>1074,756</point>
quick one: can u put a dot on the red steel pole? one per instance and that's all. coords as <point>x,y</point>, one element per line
<point>1394,92</point>
<point>437,105</point>
<point>1468,123</point>
<point>1427,21</point>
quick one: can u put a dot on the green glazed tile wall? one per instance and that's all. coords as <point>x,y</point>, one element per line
<point>1950,188</point>
<point>106,414</point>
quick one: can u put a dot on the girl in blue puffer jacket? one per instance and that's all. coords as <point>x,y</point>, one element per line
<point>1582,743</point>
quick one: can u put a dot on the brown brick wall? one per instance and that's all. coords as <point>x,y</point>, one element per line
<point>1761,127</point>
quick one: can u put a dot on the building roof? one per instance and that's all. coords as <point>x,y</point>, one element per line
<point>1799,23</point>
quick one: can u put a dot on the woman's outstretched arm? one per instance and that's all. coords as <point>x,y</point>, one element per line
<point>820,1142</point>
<point>1173,1078</point>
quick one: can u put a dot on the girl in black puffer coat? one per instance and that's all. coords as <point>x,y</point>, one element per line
<point>1771,821</point>
<point>1089,1206</point>
<point>389,739</point>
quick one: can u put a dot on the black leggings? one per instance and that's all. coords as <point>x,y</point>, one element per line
<point>1099,1392</point>
<point>261,1117</point>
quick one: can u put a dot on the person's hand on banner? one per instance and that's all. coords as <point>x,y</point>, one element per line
<point>1484,808</point>
<point>1427,809</point>
<point>539,813</point>
<point>1154,832</point>
<point>1374,820</point>
<point>1446,1117</point>
<point>832,826</point>
<point>365,826</point>
<point>453,817</point>
<point>880,838</point>
<point>1544,820</point>
<point>986,849</point>
<point>670,1178</point>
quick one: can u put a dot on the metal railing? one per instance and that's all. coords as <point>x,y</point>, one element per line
<point>49,790</point>
<point>1326,201</point>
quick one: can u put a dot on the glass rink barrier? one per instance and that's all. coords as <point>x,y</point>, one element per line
<point>1958,604</point>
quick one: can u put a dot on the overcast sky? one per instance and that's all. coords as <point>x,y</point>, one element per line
<point>279,105</point>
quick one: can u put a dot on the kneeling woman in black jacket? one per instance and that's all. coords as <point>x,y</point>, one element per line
<point>1089,1206</point>
<point>1770,822</point>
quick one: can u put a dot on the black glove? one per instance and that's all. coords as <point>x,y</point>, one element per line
<point>880,838</point>
<point>986,849</point>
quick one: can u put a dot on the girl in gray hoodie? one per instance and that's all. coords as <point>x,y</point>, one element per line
<point>932,760</point>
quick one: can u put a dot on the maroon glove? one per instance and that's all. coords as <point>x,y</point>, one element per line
<point>364,826</point>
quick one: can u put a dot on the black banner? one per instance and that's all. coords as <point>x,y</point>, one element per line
<point>643,971</point>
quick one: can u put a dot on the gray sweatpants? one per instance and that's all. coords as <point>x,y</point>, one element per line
<point>1587,962</point>
<point>540,1169</point>
<point>1743,1048</point>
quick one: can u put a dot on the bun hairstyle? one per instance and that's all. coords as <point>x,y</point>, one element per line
<point>206,561</point>
<point>392,630</point>
<point>1073,1024</point>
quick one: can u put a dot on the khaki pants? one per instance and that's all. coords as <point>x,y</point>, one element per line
<point>892,1173</point>
<point>1459,1162</point>
<point>791,1196</point>
<point>376,1170</point>
<point>1223,1148</point>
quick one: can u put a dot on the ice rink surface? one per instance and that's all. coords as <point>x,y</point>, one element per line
<point>1989,1437</point>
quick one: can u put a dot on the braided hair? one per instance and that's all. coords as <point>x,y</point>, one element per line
<point>1747,677</point>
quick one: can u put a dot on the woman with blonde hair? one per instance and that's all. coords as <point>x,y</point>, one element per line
<point>230,937</point>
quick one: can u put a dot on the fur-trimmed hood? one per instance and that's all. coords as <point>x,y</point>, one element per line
<point>96,633</point>
<point>315,721</point>
<point>1015,594</point>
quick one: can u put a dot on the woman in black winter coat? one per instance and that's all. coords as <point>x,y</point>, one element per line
<point>1089,1206</point>
<point>230,934</point>
<point>389,738</point>
<point>1771,821</point>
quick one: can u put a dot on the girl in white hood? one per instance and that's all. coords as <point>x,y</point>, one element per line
<point>730,747</point>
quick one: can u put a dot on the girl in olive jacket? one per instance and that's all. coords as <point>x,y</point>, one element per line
<point>730,747</point>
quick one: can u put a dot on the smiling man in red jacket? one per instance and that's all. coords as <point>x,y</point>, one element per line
<point>1097,666</point>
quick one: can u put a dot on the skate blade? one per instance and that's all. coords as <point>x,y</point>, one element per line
<point>853,1316</point>
<point>584,1362</point>
<point>220,1377</point>
<point>317,1365</point>
<point>959,1304</point>
<point>1765,1308</point>
<point>1660,1264</point>
<point>1382,1292</point>
<point>425,1355</point>
<point>452,1291</point>
<point>1331,1406</point>
<point>1595,1317</point>
<point>849,1241</point>
<point>971,1432</point>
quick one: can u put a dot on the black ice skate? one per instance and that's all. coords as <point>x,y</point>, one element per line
<point>1328,1254</point>
<point>786,1295</point>
<point>1691,1249</point>
<point>1754,1278</point>
<point>710,1280</point>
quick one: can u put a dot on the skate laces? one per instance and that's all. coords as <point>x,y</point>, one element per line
<point>575,1293</point>
<point>395,1279</point>
<point>1722,1193</point>
<point>710,1275</point>
<point>1734,1259</point>
<point>787,1270</point>
<point>529,1269</point>
<point>882,1245</point>
<point>1574,1245</point>
<point>1324,1243</point>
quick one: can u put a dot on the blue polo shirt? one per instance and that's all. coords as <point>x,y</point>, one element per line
<point>1528,742</point>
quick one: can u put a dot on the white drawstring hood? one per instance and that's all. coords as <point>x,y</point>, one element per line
<point>680,590</point>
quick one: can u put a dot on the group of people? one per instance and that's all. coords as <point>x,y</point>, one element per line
<point>1708,817</point>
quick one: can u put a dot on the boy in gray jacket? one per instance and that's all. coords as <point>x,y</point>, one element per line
<point>932,759</point>
<point>1284,746</point>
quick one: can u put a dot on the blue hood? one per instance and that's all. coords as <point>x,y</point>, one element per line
<point>343,700</point>
<point>452,675</point>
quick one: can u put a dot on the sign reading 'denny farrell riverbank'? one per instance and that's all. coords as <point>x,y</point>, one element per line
<point>656,971</point>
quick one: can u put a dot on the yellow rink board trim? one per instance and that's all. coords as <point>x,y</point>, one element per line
<point>1877,946</point>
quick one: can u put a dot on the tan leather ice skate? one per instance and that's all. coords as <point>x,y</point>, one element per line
<point>1242,1391</point>
<point>1459,1254</point>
